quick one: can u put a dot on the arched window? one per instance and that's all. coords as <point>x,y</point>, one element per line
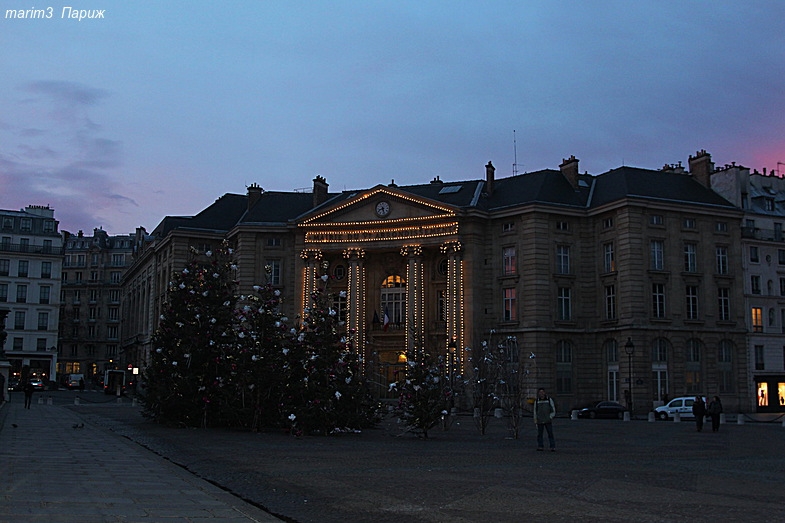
<point>693,374</point>
<point>612,361</point>
<point>659,369</point>
<point>725,372</point>
<point>393,302</point>
<point>564,367</point>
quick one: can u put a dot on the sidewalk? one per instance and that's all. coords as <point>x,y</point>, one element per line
<point>52,472</point>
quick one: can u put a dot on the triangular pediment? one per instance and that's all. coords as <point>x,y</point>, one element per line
<point>380,205</point>
<point>380,214</point>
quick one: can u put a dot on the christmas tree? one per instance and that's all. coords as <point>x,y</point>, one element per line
<point>424,393</point>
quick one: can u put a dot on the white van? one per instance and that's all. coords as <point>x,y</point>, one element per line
<point>682,405</point>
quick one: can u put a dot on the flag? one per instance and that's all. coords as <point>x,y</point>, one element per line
<point>386,320</point>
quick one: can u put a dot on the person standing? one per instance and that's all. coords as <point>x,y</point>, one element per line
<point>28,390</point>
<point>715,409</point>
<point>699,411</point>
<point>544,412</point>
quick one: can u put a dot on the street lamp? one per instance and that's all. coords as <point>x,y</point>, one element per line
<point>629,348</point>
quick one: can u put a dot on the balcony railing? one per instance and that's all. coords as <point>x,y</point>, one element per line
<point>774,235</point>
<point>33,249</point>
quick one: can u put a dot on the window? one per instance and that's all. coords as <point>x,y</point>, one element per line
<point>111,332</point>
<point>721,226</point>
<point>47,247</point>
<point>274,242</point>
<point>80,259</point>
<point>273,269</point>
<point>655,219</point>
<point>441,306</point>
<point>3,292</point>
<point>91,331</point>
<point>508,227</point>
<point>610,302</point>
<point>118,260</point>
<point>93,276</point>
<point>692,302</point>
<point>723,298</point>
<point>114,276</point>
<point>5,265</point>
<point>21,294</point>
<point>754,254</point>
<point>339,272</point>
<point>43,321</point>
<point>659,350</point>
<point>19,320</point>
<point>92,313</point>
<point>5,243</point>
<point>114,313</point>
<point>612,351</point>
<point>693,374</point>
<point>690,257</point>
<point>22,268</point>
<point>74,351</point>
<point>94,260</point>
<point>111,351</point>
<point>755,284</point>
<point>46,269</point>
<point>49,226</point>
<point>339,306</point>
<point>563,367</point>
<point>609,261</point>
<point>393,300</point>
<point>563,259</point>
<point>18,344</point>
<point>77,297</point>
<point>658,300</point>
<point>40,345</point>
<point>114,296</point>
<point>726,376</point>
<point>722,259</point>
<point>607,223</point>
<point>510,305</point>
<point>563,304</point>
<point>657,251</point>
<point>78,276</point>
<point>757,319</point>
<point>93,295</point>
<point>768,204</point>
<point>8,223</point>
<point>689,223</point>
<point>759,360</point>
<point>26,224</point>
<point>44,293</point>
<point>562,226</point>
<point>508,261</point>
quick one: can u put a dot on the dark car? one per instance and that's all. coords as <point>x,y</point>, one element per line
<point>38,383</point>
<point>603,409</point>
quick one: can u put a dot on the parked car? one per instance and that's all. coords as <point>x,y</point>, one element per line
<point>13,384</point>
<point>682,405</point>
<point>603,409</point>
<point>38,383</point>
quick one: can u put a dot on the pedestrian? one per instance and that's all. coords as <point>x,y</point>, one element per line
<point>699,411</point>
<point>28,390</point>
<point>81,384</point>
<point>544,412</point>
<point>715,409</point>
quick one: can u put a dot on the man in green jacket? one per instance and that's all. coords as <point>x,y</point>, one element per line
<point>544,411</point>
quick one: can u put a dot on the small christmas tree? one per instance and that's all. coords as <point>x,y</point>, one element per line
<point>424,394</point>
<point>193,357</point>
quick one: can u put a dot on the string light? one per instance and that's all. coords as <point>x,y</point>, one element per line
<point>383,233</point>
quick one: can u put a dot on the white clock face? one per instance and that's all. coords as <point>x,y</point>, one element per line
<point>382,209</point>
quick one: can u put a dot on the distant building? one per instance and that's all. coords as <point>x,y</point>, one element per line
<point>762,199</point>
<point>90,308</point>
<point>31,256</point>
<point>570,271</point>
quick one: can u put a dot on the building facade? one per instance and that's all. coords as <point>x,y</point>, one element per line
<point>31,256</point>
<point>761,198</point>
<point>624,286</point>
<point>90,304</point>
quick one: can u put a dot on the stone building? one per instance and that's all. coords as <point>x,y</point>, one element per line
<point>761,197</point>
<point>31,258</point>
<point>90,305</point>
<point>626,281</point>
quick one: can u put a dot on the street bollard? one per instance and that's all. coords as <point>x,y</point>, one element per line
<point>573,415</point>
<point>652,417</point>
<point>626,415</point>
<point>76,400</point>
<point>740,419</point>
<point>49,400</point>
<point>133,402</point>
<point>40,400</point>
<point>677,417</point>
<point>498,413</point>
<point>722,418</point>
<point>119,400</point>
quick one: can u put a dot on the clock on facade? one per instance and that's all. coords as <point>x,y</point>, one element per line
<point>382,209</point>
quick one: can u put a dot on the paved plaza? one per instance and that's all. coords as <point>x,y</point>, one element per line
<point>121,467</point>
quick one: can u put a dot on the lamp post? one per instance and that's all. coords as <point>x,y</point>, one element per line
<point>629,348</point>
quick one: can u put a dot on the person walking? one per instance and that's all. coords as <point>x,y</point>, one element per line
<point>699,411</point>
<point>544,412</point>
<point>28,390</point>
<point>714,410</point>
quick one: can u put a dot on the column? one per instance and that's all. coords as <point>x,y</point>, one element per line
<point>415,298</point>
<point>312,259</point>
<point>453,301</point>
<point>355,302</point>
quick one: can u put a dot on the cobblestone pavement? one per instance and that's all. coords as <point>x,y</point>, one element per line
<point>603,470</point>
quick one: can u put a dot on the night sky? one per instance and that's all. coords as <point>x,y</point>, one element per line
<point>159,108</point>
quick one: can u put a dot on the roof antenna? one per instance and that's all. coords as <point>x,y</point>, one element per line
<point>515,154</point>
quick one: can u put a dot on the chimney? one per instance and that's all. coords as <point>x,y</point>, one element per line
<point>569,168</point>
<point>701,167</point>
<point>254,195</point>
<point>490,170</point>
<point>319,190</point>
